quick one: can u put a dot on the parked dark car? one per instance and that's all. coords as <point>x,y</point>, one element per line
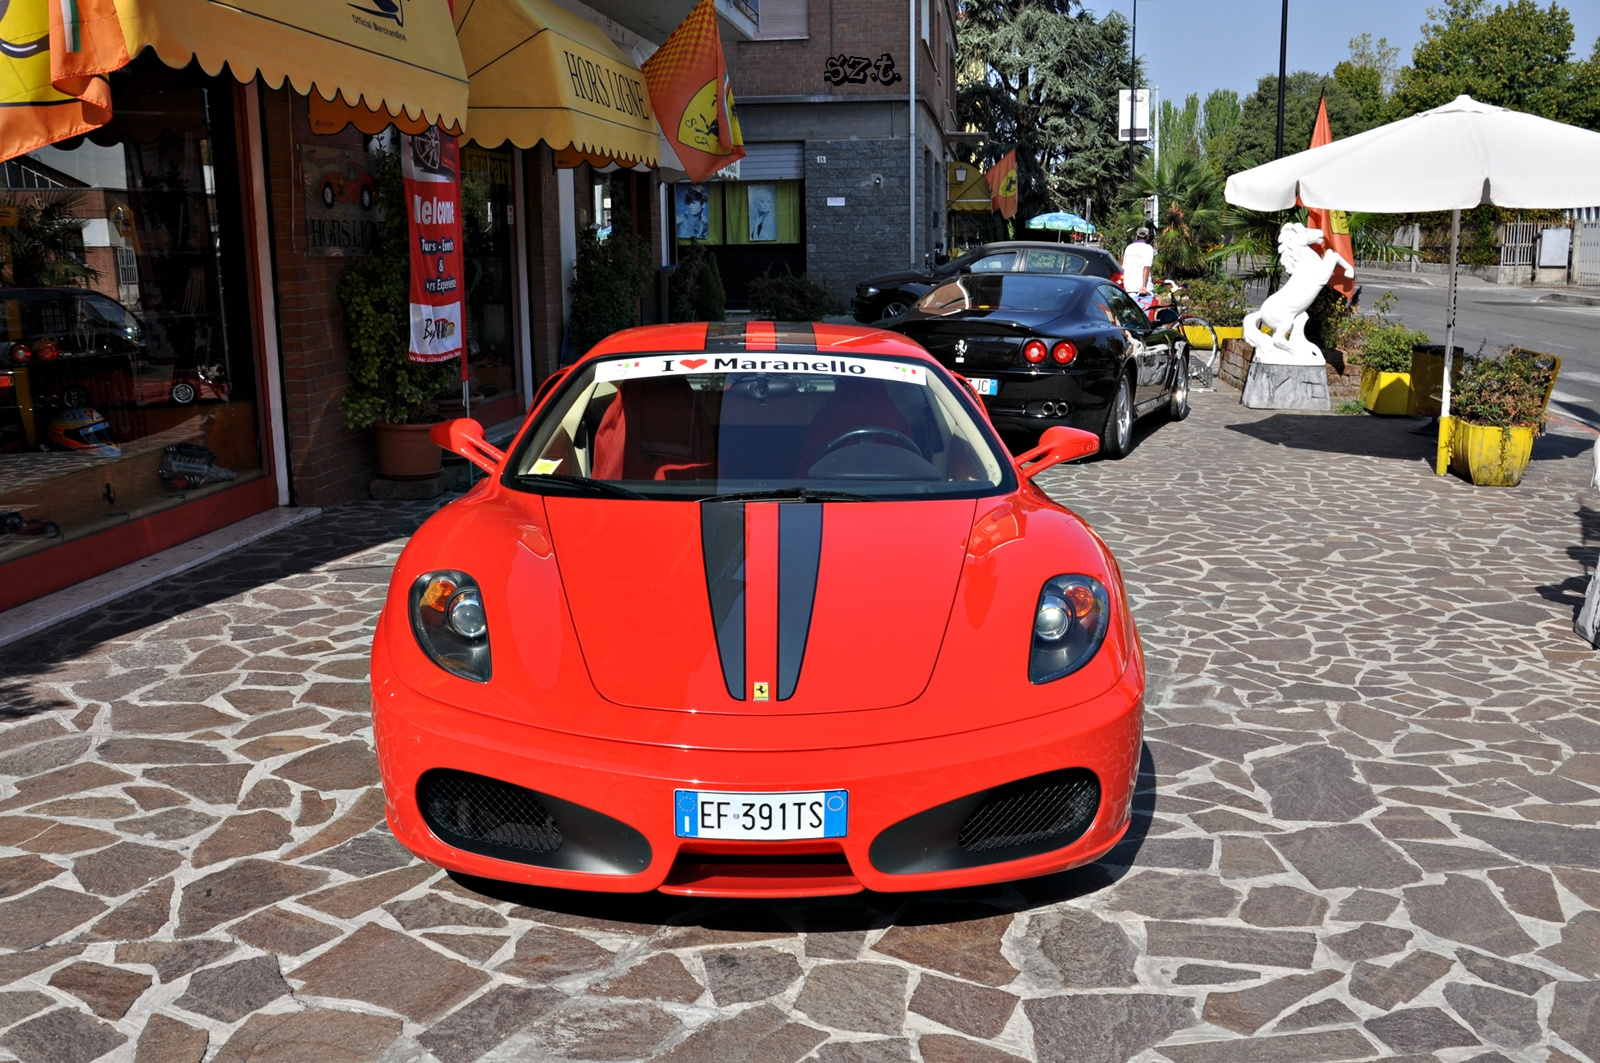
<point>1043,351</point>
<point>889,295</point>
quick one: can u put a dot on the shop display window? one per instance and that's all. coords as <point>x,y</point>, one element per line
<point>737,212</point>
<point>127,370</point>
<point>486,205</point>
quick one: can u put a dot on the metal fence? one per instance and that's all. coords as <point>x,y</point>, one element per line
<point>1519,243</point>
<point>1586,253</point>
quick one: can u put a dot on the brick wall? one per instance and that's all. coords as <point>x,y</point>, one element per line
<point>328,462</point>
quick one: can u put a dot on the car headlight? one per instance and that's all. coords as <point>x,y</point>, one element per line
<point>451,627</point>
<point>866,291</point>
<point>1069,626</point>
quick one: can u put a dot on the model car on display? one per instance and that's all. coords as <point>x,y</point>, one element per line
<point>1045,351</point>
<point>757,610</point>
<point>888,295</point>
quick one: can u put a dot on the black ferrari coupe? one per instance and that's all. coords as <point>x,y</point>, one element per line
<point>1046,350</point>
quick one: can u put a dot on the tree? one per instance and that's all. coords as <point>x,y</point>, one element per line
<point>1042,76</point>
<point>1219,118</point>
<point>46,244</point>
<point>1515,55</point>
<point>1189,226</point>
<point>1253,140</point>
<point>1180,127</point>
<point>1368,76</point>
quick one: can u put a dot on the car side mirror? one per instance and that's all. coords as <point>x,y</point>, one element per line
<point>1057,445</point>
<point>464,436</point>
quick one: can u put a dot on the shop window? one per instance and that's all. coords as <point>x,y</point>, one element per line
<point>487,227</point>
<point>738,212</point>
<point>127,371</point>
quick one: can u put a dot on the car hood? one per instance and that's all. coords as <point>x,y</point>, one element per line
<point>770,608</point>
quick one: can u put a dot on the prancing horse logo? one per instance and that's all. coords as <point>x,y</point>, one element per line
<point>961,350</point>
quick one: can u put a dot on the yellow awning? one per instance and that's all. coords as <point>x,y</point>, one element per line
<point>397,56</point>
<point>968,192</point>
<point>538,72</point>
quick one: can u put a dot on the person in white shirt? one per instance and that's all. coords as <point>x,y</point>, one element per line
<point>1138,260</point>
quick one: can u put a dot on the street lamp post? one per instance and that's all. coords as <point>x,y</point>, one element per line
<point>1283,71</point>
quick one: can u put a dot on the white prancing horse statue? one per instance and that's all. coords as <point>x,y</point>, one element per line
<point>1284,311</point>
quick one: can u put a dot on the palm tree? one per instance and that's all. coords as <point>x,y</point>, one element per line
<point>1191,206</point>
<point>47,243</point>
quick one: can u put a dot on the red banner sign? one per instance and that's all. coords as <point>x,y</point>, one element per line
<point>432,174</point>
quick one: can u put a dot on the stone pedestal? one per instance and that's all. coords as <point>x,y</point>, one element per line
<point>1286,387</point>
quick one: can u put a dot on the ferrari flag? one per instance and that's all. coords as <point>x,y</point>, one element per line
<point>54,56</point>
<point>432,172</point>
<point>1002,178</point>
<point>1335,224</point>
<point>688,82</point>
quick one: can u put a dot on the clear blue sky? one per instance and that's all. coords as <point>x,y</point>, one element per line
<point>1200,45</point>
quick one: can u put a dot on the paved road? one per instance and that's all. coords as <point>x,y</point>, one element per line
<point>1499,315</point>
<point>1365,827</point>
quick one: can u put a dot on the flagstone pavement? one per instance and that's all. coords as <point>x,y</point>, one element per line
<point>1366,826</point>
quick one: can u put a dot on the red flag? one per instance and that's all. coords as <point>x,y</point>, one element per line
<point>431,170</point>
<point>1334,224</point>
<point>54,55</point>
<point>1002,178</point>
<point>688,82</point>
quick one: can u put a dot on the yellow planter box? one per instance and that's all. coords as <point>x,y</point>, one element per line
<point>1383,393</point>
<point>1490,457</point>
<point>1201,338</point>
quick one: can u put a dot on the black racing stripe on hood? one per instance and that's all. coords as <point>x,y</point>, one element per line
<point>725,336</point>
<point>796,336</point>
<point>799,556</point>
<point>722,546</point>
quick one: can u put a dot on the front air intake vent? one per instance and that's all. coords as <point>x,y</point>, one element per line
<point>484,815</point>
<point>1060,803</point>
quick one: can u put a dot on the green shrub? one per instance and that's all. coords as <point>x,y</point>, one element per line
<point>1504,392</point>
<point>376,295</point>
<point>608,280</point>
<point>1220,302</point>
<point>790,298</point>
<point>695,291</point>
<point>1386,345</point>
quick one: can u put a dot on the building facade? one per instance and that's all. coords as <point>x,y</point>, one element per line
<point>174,345</point>
<point>854,170</point>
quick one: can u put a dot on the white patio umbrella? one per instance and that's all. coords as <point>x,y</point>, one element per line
<point>1453,157</point>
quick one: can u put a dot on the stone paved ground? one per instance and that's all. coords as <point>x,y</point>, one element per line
<point>1367,826</point>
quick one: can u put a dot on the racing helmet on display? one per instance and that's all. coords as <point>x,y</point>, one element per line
<point>84,430</point>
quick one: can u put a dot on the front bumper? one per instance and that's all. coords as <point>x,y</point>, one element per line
<point>633,784</point>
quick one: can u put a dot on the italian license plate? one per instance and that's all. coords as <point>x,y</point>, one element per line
<point>761,817</point>
<point>985,385</point>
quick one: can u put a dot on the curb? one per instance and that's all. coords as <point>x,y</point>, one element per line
<point>32,617</point>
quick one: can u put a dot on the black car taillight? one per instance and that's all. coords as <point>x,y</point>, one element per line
<point>1064,352</point>
<point>1034,351</point>
<point>448,619</point>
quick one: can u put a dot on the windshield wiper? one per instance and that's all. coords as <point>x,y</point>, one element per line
<point>780,494</point>
<point>603,486</point>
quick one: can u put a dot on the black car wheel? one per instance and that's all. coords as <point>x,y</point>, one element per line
<point>893,309</point>
<point>1116,438</point>
<point>1178,401</point>
<point>183,393</point>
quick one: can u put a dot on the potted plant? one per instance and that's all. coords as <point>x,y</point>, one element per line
<point>1222,303</point>
<point>1385,349</point>
<point>611,275</point>
<point>1499,406</point>
<point>389,392</point>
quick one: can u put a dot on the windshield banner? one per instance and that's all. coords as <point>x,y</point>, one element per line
<point>636,368</point>
<point>432,175</point>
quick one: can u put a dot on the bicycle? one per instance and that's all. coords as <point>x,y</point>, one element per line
<point>1202,371</point>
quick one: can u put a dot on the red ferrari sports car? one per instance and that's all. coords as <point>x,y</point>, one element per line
<point>757,610</point>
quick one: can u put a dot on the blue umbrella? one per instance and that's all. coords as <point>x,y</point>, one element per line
<point>1061,221</point>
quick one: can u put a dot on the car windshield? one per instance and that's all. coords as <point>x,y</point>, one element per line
<point>1004,291</point>
<point>688,426</point>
